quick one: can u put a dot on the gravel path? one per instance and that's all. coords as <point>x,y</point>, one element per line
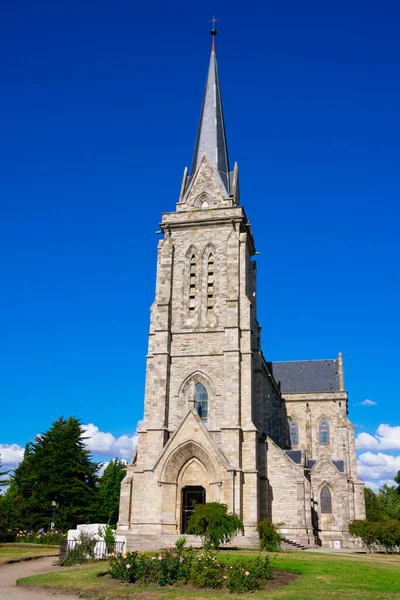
<point>11,572</point>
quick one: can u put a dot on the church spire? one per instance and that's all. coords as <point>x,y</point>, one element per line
<point>211,138</point>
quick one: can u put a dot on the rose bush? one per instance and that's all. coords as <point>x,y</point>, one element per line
<point>202,569</point>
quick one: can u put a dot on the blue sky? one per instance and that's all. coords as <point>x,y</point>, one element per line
<point>100,104</point>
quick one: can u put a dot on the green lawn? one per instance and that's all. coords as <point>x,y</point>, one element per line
<point>322,577</point>
<point>15,552</point>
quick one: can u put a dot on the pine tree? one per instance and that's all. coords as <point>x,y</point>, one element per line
<point>56,467</point>
<point>3,474</point>
<point>109,490</point>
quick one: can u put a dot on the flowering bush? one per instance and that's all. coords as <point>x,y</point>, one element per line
<point>52,537</point>
<point>207,570</point>
<point>249,576</point>
<point>165,568</point>
<point>185,565</point>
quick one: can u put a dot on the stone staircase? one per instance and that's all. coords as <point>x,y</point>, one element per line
<point>288,544</point>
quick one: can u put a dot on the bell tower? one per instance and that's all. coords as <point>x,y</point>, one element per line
<point>202,419</point>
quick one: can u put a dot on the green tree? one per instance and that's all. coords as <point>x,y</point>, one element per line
<point>212,522</point>
<point>56,467</point>
<point>3,482</point>
<point>372,506</point>
<point>397,480</point>
<point>389,502</point>
<point>109,491</point>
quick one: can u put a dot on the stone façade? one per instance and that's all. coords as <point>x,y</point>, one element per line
<point>259,450</point>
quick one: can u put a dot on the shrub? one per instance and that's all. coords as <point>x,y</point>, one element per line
<point>81,552</point>
<point>250,575</point>
<point>51,537</point>
<point>108,534</point>
<point>212,522</point>
<point>241,579</point>
<point>7,537</point>
<point>377,535</point>
<point>207,571</point>
<point>270,540</point>
<point>201,569</point>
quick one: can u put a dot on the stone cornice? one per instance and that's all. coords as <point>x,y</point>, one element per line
<point>315,396</point>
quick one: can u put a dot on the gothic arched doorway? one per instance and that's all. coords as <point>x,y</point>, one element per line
<point>191,495</point>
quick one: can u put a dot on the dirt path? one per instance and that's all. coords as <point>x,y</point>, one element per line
<point>11,572</point>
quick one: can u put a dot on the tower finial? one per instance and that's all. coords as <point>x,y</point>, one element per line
<point>213,32</point>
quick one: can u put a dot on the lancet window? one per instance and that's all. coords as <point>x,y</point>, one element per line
<point>201,402</point>
<point>324,432</point>
<point>326,500</point>
<point>210,284</point>
<point>192,284</point>
<point>293,433</point>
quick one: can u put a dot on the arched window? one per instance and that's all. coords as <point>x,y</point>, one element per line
<point>293,432</point>
<point>326,501</point>
<point>324,432</point>
<point>201,402</point>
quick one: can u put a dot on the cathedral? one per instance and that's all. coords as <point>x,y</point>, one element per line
<point>271,440</point>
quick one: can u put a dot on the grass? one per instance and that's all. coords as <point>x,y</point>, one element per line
<point>322,577</point>
<point>16,552</point>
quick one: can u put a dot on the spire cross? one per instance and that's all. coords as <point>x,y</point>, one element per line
<point>213,21</point>
<point>213,32</point>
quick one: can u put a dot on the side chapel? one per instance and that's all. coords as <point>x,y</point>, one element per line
<point>270,439</point>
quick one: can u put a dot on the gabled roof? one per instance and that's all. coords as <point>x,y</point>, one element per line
<point>304,376</point>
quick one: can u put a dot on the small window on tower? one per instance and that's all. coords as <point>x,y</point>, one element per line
<point>201,402</point>
<point>204,204</point>
<point>324,432</point>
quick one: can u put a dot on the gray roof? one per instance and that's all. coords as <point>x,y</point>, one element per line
<point>211,138</point>
<point>339,464</point>
<point>302,376</point>
<point>295,455</point>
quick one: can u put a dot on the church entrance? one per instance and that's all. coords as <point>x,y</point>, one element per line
<point>191,495</point>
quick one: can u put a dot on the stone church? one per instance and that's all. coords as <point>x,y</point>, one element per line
<point>270,439</point>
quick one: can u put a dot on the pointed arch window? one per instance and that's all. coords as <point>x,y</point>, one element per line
<point>210,284</point>
<point>192,284</point>
<point>326,501</point>
<point>293,432</point>
<point>201,402</point>
<point>324,432</point>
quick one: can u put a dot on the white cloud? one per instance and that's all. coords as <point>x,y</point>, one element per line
<point>372,485</point>
<point>385,438</point>
<point>105,444</point>
<point>379,467</point>
<point>368,403</point>
<point>375,486</point>
<point>11,455</point>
